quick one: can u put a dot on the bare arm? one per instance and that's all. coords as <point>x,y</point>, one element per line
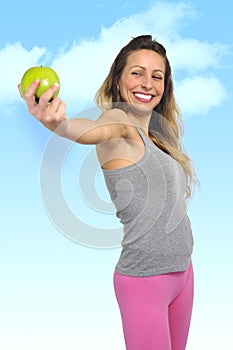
<point>111,124</point>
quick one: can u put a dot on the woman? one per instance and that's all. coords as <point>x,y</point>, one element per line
<point>137,139</point>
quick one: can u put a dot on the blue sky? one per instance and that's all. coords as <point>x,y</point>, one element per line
<point>56,276</point>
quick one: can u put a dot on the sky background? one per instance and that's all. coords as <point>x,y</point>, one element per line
<point>59,239</point>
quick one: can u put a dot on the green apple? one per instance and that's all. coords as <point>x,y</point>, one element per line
<point>47,77</point>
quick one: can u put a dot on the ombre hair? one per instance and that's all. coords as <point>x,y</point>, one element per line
<point>166,123</point>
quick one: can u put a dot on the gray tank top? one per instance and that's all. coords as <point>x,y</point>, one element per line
<point>149,200</point>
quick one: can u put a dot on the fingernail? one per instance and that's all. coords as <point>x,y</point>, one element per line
<point>37,81</point>
<point>56,84</point>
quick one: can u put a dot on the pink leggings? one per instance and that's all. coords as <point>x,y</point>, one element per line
<point>156,310</point>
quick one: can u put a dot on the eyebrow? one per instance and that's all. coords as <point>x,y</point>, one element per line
<point>155,70</point>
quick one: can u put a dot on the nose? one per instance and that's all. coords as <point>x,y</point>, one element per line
<point>147,82</point>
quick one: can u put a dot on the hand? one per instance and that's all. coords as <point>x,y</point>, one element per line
<point>50,114</point>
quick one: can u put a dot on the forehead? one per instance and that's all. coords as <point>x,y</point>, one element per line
<point>146,58</point>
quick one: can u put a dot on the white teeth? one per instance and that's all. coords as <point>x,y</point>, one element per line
<point>144,97</point>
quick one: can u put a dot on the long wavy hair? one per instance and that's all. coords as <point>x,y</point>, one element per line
<point>166,123</point>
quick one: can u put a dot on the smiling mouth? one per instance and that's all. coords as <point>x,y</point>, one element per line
<point>143,97</point>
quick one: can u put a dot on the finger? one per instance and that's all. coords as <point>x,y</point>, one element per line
<point>61,118</point>
<point>19,88</point>
<point>31,90</point>
<point>62,108</point>
<point>29,95</point>
<point>48,94</point>
<point>55,104</point>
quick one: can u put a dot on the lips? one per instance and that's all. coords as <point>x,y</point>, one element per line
<point>143,97</point>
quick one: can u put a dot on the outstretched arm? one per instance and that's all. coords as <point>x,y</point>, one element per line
<point>111,124</point>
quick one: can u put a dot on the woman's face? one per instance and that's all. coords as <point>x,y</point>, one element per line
<point>142,81</point>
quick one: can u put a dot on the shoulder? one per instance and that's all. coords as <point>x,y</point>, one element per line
<point>116,121</point>
<point>120,117</point>
<point>113,116</point>
<point>119,128</point>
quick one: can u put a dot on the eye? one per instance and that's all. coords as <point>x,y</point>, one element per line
<point>157,77</point>
<point>138,74</point>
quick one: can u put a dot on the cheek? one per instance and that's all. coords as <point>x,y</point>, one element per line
<point>160,89</point>
<point>128,83</point>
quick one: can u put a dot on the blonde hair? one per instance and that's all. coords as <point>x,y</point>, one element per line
<point>166,123</point>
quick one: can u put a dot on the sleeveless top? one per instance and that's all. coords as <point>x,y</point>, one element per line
<point>149,200</point>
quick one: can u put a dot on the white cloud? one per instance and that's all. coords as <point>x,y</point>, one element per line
<point>199,94</point>
<point>193,55</point>
<point>14,60</point>
<point>83,66</point>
